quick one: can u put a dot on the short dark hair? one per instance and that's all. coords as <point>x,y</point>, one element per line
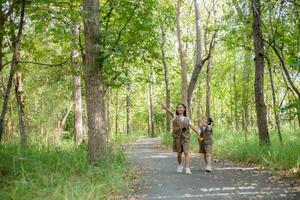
<point>184,112</point>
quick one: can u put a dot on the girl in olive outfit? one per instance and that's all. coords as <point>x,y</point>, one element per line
<point>181,136</point>
<point>206,143</point>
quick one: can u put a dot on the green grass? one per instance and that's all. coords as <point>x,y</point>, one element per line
<point>233,145</point>
<point>60,172</point>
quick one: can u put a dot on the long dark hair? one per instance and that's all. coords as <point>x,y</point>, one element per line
<point>184,112</point>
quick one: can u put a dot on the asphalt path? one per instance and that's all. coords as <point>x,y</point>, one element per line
<point>228,180</point>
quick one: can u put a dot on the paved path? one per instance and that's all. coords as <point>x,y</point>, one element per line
<point>159,179</point>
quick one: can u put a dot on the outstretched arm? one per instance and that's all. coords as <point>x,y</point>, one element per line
<point>168,110</point>
<point>194,129</point>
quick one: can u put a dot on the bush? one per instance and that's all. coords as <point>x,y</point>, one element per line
<point>60,172</point>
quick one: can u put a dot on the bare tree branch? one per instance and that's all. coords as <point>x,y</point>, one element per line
<point>128,20</point>
<point>43,64</point>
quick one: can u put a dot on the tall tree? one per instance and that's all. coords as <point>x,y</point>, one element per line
<point>150,104</point>
<point>19,90</point>
<point>261,112</point>
<point>97,127</point>
<point>183,64</point>
<point>128,102</point>
<point>276,115</point>
<point>199,61</point>
<point>210,60</point>
<point>77,99</point>
<point>117,112</point>
<point>166,76</point>
<point>12,72</point>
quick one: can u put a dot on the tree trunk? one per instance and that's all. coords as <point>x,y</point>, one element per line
<point>199,110</point>
<point>77,100</point>
<point>236,117</point>
<point>61,124</point>
<point>117,113</point>
<point>166,73</point>
<point>77,97</point>
<point>21,106</point>
<point>108,112</point>
<point>97,126</point>
<point>198,63</point>
<point>208,90</point>
<point>184,71</point>
<point>150,106</point>
<point>128,104</point>
<point>1,36</point>
<point>277,120</point>
<point>12,69</point>
<point>245,93</point>
<point>261,113</point>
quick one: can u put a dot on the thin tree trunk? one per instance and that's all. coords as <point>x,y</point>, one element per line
<point>236,117</point>
<point>150,112</point>
<point>261,112</point>
<point>199,104</point>
<point>1,36</point>
<point>77,100</point>
<point>277,120</point>
<point>21,106</point>
<point>184,71</point>
<point>128,104</point>
<point>12,70</point>
<point>166,73</point>
<point>77,97</point>
<point>246,92</point>
<point>61,123</point>
<point>208,90</point>
<point>97,126</point>
<point>108,113</point>
<point>117,113</point>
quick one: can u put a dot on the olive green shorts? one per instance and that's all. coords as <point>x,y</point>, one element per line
<point>205,148</point>
<point>180,146</point>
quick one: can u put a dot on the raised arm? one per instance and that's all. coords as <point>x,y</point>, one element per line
<point>168,110</point>
<point>203,122</point>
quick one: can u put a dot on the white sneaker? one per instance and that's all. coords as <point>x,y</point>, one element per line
<point>188,171</point>
<point>208,168</point>
<point>179,168</point>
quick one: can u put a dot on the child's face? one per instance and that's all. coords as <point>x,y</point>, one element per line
<point>180,109</point>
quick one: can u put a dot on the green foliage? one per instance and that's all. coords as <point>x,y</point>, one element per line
<point>60,172</point>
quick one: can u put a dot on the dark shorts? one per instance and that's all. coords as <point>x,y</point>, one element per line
<point>205,148</point>
<point>180,146</point>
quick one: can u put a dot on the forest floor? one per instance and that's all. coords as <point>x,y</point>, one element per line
<point>157,177</point>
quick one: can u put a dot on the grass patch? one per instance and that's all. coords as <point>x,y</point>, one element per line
<point>233,145</point>
<point>60,172</point>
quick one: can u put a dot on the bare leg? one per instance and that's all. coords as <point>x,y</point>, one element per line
<point>208,158</point>
<point>208,166</point>
<point>205,160</point>
<point>179,158</point>
<point>187,159</point>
